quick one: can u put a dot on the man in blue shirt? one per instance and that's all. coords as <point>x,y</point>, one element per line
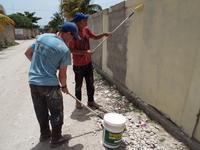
<point>47,55</point>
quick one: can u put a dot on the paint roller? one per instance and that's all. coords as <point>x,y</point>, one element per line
<point>139,7</point>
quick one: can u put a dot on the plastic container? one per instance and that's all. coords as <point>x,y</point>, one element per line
<point>114,125</point>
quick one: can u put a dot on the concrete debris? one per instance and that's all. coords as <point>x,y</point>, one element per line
<point>141,132</point>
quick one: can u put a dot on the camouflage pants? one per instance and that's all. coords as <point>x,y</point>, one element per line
<point>47,99</point>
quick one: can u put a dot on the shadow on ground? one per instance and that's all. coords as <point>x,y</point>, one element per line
<point>46,146</point>
<point>81,114</point>
<point>85,114</point>
<point>86,133</point>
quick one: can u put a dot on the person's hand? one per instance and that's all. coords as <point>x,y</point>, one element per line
<point>65,89</point>
<point>89,51</point>
<point>108,34</point>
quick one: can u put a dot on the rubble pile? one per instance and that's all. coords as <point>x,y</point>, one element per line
<point>141,133</point>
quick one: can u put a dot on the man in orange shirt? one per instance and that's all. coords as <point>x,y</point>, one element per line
<point>82,61</point>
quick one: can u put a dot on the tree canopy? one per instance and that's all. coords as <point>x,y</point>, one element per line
<point>70,7</point>
<point>55,22</point>
<point>25,20</point>
<point>31,16</point>
<point>21,21</point>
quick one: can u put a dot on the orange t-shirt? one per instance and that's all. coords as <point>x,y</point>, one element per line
<point>82,45</point>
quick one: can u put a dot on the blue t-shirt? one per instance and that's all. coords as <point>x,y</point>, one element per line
<point>49,54</point>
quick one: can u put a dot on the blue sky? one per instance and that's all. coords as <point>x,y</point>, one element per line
<point>44,8</point>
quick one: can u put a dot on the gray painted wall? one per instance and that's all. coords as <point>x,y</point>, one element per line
<point>97,22</point>
<point>117,45</point>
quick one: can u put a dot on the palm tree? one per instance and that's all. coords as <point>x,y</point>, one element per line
<point>33,19</point>
<point>31,16</point>
<point>70,7</point>
<point>55,22</point>
<point>88,8</point>
<point>4,20</point>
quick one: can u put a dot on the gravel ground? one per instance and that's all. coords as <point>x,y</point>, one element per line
<point>141,133</point>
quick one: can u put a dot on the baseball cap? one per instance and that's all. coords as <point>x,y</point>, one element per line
<point>70,27</point>
<point>79,16</point>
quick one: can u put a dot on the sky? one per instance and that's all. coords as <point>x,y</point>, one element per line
<point>44,8</point>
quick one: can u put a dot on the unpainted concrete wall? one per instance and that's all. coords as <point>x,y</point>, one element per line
<point>156,54</point>
<point>22,34</point>
<point>7,36</point>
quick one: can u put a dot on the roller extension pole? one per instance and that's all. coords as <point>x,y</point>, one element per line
<point>86,106</point>
<point>138,8</point>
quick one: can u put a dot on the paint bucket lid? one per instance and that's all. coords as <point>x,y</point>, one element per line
<point>114,119</point>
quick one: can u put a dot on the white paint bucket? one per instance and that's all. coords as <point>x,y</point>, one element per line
<point>114,125</point>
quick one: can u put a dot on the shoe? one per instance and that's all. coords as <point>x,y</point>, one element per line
<point>57,142</point>
<point>44,138</point>
<point>57,139</point>
<point>79,105</point>
<point>93,104</point>
<point>45,133</point>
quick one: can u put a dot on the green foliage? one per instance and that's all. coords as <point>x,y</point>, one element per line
<point>70,7</point>
<point>21,21</point>
<point>88,8</point>
<point>55,22</point>
<point>7,44</point>
<point>26,20</point>
<point>31,16</point>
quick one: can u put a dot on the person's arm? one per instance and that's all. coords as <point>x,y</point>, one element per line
<point>99,36</point>
<point>62,74</point>
<point>96,36</point>
<point>63,78</point>
<point>29,53</point>
<point>79,52</point>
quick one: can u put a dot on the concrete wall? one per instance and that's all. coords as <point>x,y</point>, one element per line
<point>97,22</point>
<point>7,36</point>
<point>156,55</point>
<point>22,34</point>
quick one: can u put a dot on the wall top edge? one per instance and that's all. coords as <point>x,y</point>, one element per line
<point>132,3</point>
<point>117,6</point>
